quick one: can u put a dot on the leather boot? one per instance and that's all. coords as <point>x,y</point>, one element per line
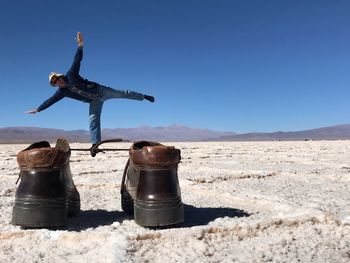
<point>46,186</point>
<point>150,187</point>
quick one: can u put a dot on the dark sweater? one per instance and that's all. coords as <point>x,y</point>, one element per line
<point>77,88</point>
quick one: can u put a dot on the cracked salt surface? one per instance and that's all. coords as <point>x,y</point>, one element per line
<point>244,202</point>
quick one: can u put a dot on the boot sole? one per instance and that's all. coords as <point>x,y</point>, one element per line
<point>39,213</point>
<point>153,214</point>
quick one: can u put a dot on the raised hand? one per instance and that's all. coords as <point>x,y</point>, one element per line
<point>80,39</point>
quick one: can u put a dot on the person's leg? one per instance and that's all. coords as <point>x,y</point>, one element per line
<point>109,93</point>
<point>95,110</point>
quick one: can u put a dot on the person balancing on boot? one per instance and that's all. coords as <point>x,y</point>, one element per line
<point>72,85</point>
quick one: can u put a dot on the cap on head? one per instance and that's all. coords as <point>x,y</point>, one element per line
<point>54,74</point>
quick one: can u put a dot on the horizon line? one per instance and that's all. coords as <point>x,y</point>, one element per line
<point>179,125</point>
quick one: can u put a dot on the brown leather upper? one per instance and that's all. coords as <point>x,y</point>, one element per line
<point>47,157</point>
<point>154,154</point>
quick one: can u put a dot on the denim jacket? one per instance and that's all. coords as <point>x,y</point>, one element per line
<point>77,88</point>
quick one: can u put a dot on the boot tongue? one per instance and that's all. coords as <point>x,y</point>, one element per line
<point>62,144</point>
<point>140,144</point>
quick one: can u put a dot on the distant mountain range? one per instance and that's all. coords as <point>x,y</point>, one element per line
<point>338,132</point>
<point>170,133</point>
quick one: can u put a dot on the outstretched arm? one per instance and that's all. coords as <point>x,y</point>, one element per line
<point>52,100</point>
<point>74,69</point>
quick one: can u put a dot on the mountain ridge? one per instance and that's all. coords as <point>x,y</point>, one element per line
<point>175,132</point>
<point>336,132</point>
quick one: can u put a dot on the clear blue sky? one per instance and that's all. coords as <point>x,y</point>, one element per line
<point>239,65</point>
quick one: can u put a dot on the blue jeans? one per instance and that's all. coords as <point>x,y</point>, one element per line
<point>95,108</point>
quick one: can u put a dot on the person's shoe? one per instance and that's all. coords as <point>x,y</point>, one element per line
<point>149,98</point>
<point>94,150</point>
<point>150,187</point>
<point>45,194</point>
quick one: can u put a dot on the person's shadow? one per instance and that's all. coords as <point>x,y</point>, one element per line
<point>194,216</point>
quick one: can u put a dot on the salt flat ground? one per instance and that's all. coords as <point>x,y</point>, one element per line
<point>244,202</point>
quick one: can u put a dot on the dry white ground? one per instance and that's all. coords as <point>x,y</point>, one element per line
<point>244,202</point>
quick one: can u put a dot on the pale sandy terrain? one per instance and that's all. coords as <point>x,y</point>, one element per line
<point>244,202</point>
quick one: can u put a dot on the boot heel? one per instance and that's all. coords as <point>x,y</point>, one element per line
<point>164,213</point>
<point>73,208</point>
<point>37,213</point>
<point>73,196</point>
